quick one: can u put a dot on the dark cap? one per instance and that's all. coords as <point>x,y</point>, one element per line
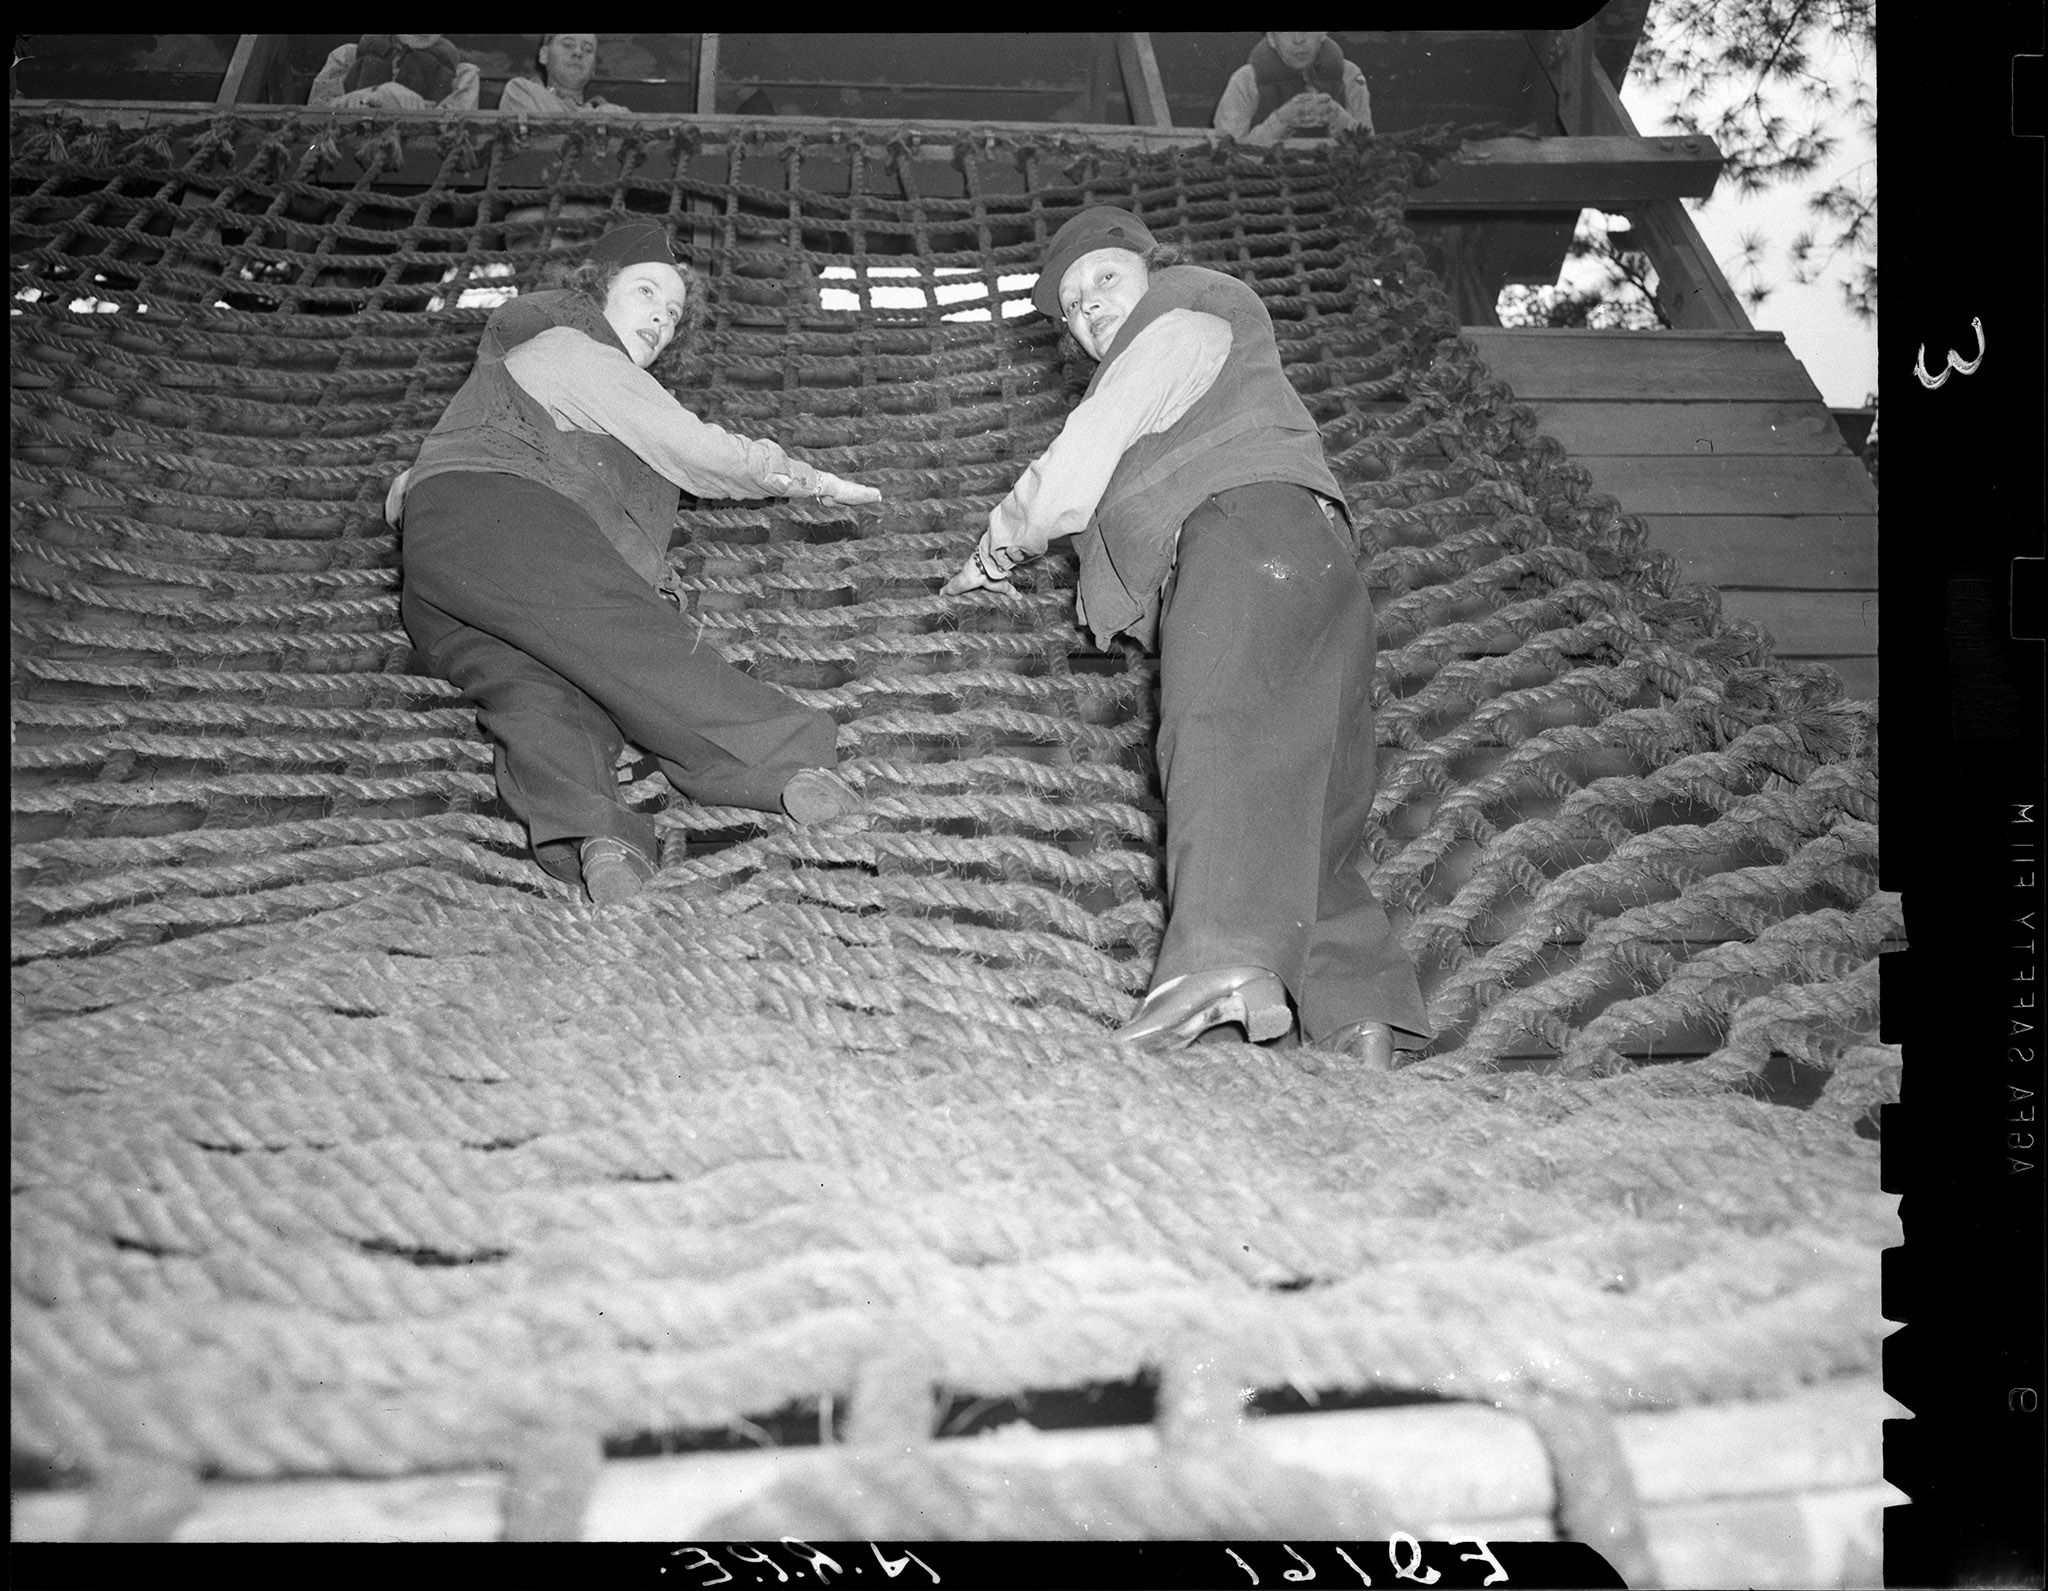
<point>1100,226</point>
<point>634,243</point>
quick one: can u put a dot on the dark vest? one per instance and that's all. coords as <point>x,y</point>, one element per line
<point>1279,82</point>
<point>380,58</point>
<point>1250,426</point>
<point>497,425</point>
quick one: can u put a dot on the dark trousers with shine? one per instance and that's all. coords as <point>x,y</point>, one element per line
<point>514,594</point>
<point>1266,755</point>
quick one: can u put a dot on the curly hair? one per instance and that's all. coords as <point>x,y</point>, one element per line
<point>1162,255</point>
<point>1159,257</point>
<point>593,279</point>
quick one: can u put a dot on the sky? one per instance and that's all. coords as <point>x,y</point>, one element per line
<point>1838,351</point>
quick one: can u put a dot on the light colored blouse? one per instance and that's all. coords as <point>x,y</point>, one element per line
<point>1167,368</point>
<point>585,386</point>
<point>531,97</point>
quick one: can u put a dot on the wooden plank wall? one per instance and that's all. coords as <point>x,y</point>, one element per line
<point>1720,441</point>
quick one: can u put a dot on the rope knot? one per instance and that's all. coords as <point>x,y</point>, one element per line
<point>217,142</point>
<point>453,139</point>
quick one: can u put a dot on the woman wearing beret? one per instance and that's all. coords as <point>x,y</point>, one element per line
<point>1209,525</point>
<point>536,522</point>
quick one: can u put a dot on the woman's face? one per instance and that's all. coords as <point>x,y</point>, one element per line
<point>1297,49</point>
<point>569,59</point>
<point>1097,294</point>
<point>644,305</point>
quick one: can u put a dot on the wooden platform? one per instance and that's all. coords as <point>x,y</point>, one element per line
<point>1785,1493</point>
<point>1721,441</point>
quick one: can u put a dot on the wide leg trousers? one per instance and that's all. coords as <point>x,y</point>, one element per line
<point>515,594</point>
<point>1266,756</point>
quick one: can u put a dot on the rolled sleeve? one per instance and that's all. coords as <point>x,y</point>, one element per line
<point>1239,104</point>
<point>1357,97</point>
<point>528,98</point>
<point>468,88</point>
<point>1152,384</point>
<point>585,386</point>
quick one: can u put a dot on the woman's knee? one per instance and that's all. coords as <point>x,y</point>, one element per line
<point>529,699</point>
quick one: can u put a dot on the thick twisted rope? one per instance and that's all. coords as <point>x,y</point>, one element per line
<point>350,1142</point>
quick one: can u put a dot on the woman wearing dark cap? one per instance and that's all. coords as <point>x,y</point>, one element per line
<point>536,522</point>
<point>1209,525</point>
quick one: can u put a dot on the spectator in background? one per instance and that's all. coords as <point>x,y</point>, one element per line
<point>1296,85</point>
<point>396,71</point>
<point>567,63</point>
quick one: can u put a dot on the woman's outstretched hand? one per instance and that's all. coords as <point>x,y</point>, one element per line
<point>835,489</point>
<point>987,569</point>
<point>830,487</point>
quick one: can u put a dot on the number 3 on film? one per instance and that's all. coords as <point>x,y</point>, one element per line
<point>1961,367</point>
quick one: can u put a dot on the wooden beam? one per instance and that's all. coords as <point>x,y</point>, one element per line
<point>1555,173</point>
<point>934,144</point>
<point>1755,483</point>
<point>1461,1470</point>
<point>1691,288</point>
<point>706,101</point>
<point>248,74</point>
<point>1542,362</point>
<point>1143,86</point>
<point>934,132</point>
<point>1806,552</point>
<point>1824,624</point>
<point>1621,428</point>
<point>702,234</point>
<point>1609,38</point>
<point>1567,58</point>
<point>1859,677</point>
<point>1617,29</point>
<point>1693,292</point>
<point>1101,63</point>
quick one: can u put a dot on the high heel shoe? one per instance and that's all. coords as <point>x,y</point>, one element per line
<point>1182,1009</point>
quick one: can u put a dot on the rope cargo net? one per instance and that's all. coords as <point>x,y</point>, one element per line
<point>347,1142</point>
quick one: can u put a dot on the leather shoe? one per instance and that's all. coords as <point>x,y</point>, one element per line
<point>614,870</point>
<point>817,795</point>
<point>1182,1009</point>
